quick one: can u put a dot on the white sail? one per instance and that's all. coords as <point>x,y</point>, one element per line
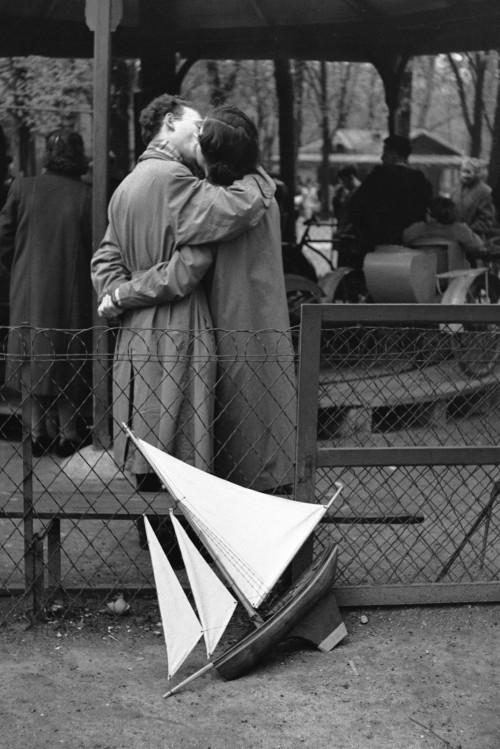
<point>254,535</point>
<point>181,626</point>
<point>214,603</point>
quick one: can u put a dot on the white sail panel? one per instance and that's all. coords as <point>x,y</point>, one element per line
<point>254,535</point>
<point>214,602</point>
<point>181,627</point>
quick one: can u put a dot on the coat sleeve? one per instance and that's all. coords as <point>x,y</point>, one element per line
<point>107,267</point>
<point>8,227</point>
<point>484,214</point>
<point>210,213</point>
<point>168,281</point>
<point>468,239</point>
<point>413,232</point>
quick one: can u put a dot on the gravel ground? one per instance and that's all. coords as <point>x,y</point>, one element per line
<point>404,678</point>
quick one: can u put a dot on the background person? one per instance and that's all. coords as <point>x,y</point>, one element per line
<point>442,223</point>
<point>46,226</point>
<point>392,197</point>
<point>473,198</point>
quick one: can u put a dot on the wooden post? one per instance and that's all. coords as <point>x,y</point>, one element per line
<point>158,76</point>
<point>396,86</point>
<point>27,452</point>
<point>307,421</point>
<point>102,17</point>
<point>284,90</point>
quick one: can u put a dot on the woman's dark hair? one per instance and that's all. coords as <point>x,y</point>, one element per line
<point>229,144</point>
<point>65,154</point>
<point>443,210</point>
<point>152,116</point>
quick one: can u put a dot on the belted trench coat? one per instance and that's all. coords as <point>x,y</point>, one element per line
<point>164,367</point>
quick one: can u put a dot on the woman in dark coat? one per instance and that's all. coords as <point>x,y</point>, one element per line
<point>46,227</point>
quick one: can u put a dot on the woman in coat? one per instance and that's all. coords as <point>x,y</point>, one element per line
<point>255,412</point>
<point>46,228</point>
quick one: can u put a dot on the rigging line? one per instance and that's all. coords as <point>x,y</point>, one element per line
<point>255,617</point>
<point>220,544</point>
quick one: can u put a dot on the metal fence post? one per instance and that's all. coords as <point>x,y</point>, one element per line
<point>30,567</point>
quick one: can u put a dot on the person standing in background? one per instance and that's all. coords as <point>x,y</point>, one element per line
<point>46,227</point>
<point>473,198</point>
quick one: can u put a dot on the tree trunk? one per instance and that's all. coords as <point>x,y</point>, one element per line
<point>428,66</point>
<point>324,170</point>
<point>478,105</point>
<point>402,125</point>
<point>494,165</point>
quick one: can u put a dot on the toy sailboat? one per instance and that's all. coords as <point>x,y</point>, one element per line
<point>252,538</point>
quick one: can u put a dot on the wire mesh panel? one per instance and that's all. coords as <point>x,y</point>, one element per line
<point>70,509</point>
<point>394,412</point>
<point>409,425</point>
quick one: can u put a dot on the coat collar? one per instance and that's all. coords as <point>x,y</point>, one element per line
<point>162,150</point>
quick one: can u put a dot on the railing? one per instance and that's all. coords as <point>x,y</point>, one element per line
<point>394,406</point>
<point>387,406</point>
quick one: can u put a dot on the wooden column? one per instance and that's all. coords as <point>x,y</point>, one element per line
<point>158,76</point>
<point>284,90</point>
<point>102,17</point>
<point>396,77</point>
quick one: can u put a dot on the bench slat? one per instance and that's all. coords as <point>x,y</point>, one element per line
<point>91,505</point>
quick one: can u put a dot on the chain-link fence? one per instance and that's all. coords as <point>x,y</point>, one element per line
<point>73,489</point>
<point>406,416</point>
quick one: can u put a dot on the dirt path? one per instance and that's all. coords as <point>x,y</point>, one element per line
<point>407,679</point>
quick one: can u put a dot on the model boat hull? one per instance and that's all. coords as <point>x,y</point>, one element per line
<point>314,583</point>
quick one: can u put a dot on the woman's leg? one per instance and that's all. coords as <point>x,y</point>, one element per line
<point>68,418</point>
<point>40,440</point>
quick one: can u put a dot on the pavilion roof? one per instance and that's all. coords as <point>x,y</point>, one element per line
<point>355,30</point>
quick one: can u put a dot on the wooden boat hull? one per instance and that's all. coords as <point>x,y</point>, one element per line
<point>313,584</point>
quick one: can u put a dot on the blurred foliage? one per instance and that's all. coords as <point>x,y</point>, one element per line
<point>453,97</point>
<point>42,93</point>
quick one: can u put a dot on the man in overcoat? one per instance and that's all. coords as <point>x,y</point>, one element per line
<point>163,375</point>
<point>391,198</point>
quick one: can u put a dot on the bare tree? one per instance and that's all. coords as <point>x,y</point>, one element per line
<point>424,80</point>
<point>469,72</point>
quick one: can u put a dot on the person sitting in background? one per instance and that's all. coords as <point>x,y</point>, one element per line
<point>392,197</point>
<point>473,198</point>
<point>442,224</point>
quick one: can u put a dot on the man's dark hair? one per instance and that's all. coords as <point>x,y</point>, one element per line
<point>64,153</point>
<point>399,144</point>
<point>443,210</point>
<point>347,171</point>
<point>152,116</point>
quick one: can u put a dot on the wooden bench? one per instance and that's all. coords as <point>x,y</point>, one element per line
<point>431,389</point>
<point>44,547</point>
